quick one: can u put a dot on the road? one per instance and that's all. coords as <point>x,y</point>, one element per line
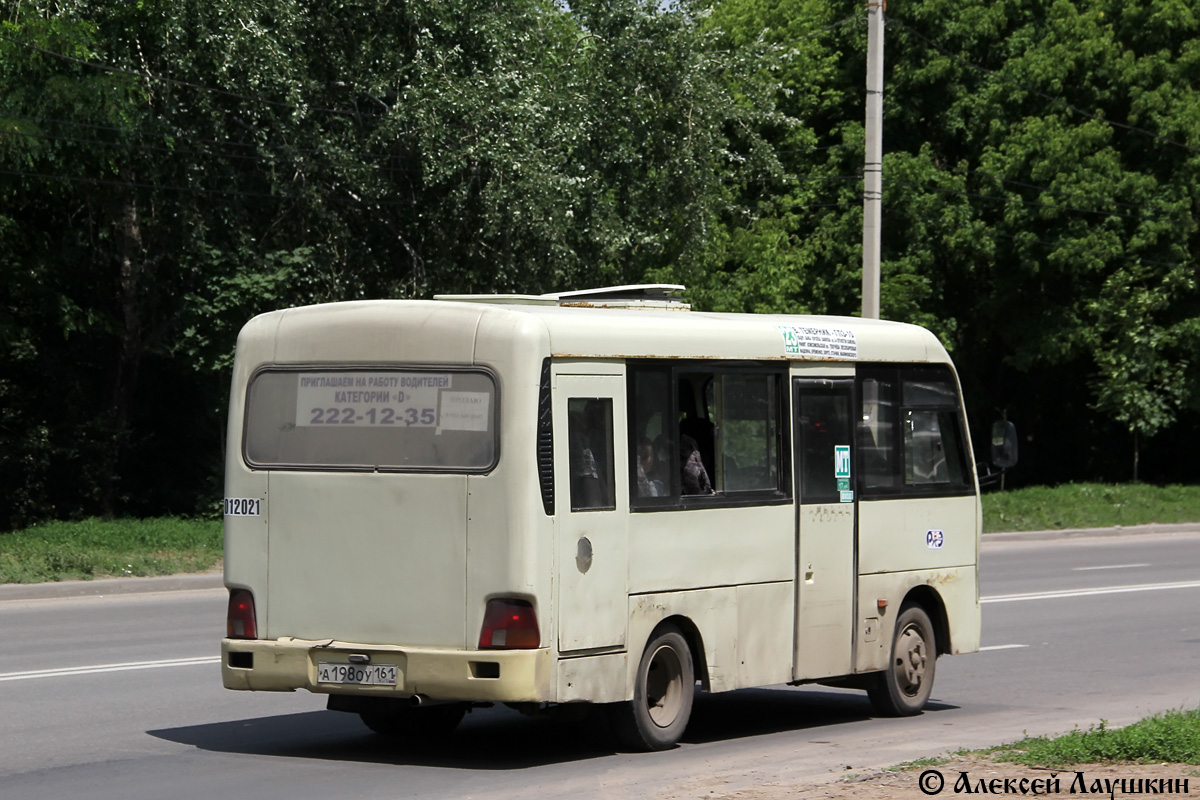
<point>120,697</point>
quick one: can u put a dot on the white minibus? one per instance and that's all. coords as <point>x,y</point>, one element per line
<point>592,497</point>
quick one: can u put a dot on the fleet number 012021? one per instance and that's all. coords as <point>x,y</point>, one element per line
<point>243,506</point>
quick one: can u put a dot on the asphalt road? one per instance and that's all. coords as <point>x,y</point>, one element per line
<point>120,697</point>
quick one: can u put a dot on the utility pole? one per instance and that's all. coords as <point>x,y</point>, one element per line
<point>873,164</point>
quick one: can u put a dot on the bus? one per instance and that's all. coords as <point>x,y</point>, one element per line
<point>592,497</point>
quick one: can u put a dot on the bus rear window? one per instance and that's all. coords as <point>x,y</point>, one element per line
<point>371,419</point>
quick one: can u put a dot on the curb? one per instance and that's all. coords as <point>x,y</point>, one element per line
<point>105,587</point>
<point>1080,533</point>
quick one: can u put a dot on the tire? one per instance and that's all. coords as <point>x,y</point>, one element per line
<point>903,689</point>
<point>412,723</point>
<point>662,695</point>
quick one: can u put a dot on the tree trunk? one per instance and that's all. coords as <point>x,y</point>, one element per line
<point>132,267</point>
<point>1136,455</point>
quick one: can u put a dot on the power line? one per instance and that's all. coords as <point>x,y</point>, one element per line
<point>156,134</point>
<point>769,46</point>
<point>132,146</point>
<point>169,81</point>
<point>285,149</point>
<point>281,149</point>
<point>776,206</point>
<point>194,189</point>
<point>258,159</point>
<point>1059,244</point>
<point>1055,100</point>
<point>741,180</point>
<point>810,149</point>
<point>1051,190</point>
<point>141,185</point>
<point>1033,203</point>
<point>791,178</point>
<point>818,32</point>
<point>1060,192</point>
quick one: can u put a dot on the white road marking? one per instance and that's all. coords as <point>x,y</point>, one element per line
<point>1109,566</point>
<point>1145,587</point>
<point>63,672</point>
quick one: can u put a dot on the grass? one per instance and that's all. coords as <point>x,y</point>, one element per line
<point>93,548</point>
<point>929,761</point>
<point>1170,738</point>
<point>1089,505</point>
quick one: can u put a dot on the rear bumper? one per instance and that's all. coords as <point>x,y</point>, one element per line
<point>284,665</point>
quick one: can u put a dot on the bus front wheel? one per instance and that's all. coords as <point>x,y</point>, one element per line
<point>662,695</point>
<point>903,689</point>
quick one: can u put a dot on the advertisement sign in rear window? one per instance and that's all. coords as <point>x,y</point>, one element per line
<point>371,419</point>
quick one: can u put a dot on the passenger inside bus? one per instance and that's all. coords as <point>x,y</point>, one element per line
<point>590,444</point>
<point>649,470</point>
<point>703,435</point>
<point>694,476</point>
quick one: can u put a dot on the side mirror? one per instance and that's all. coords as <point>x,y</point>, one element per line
<point>1004,444</point>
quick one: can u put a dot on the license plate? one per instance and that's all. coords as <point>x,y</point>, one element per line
<point>359,674</point>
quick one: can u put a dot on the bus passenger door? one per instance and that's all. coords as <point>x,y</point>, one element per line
<point>592,476</point>
<point>825,527</point>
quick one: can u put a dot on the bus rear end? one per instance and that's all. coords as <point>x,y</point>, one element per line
<point>356,434</point>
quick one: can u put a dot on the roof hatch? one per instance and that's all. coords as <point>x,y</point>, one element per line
<point>649,295</point>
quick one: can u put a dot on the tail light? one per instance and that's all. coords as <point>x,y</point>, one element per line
<point>509,624</point>
<point>240,623</point>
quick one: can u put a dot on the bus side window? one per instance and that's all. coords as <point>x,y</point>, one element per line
<point>933,452</point>
<point>823,423</point>
<point>590,443</point>
<point>910,439</point>
<point>749,414</point>
<point>707,437</point>
<point>653,437</point>
<point>877,435</point>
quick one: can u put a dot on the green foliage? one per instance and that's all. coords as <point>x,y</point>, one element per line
<point>1169,738</point>
<point>92,548</point>
<point>1143,364</point>
<point>1039,203</point>
<point>168,170</point>
<point>1089,505</point>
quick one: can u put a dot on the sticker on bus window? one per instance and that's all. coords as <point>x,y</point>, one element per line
<point>464,411</point>
<point>818,341</point>
<point>841,461</point>
<point>846,497</point>
<point>934,540</point>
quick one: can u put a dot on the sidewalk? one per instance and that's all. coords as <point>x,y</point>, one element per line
<point>213,580</point>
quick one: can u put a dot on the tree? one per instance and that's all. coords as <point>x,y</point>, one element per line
<point>1144,369</point>
<point>169,169</point>
<point>1034,151</point>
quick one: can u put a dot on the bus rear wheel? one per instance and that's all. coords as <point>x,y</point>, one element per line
<point>903,689</point>
<point>662,695</point>
<point>410,723</point>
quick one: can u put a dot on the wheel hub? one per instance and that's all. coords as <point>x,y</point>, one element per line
<point>911,658</point>
<point>664,687</point>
